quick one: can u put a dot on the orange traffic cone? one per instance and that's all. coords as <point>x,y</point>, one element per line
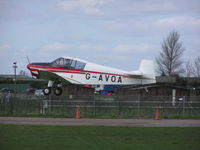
<point>78,113</point>
<point>157,117</point>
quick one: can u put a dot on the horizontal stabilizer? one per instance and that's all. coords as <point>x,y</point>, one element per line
<point>146,69</point>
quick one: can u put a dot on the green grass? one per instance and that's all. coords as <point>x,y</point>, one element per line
<point>18,137</point>
<point>118,112</point>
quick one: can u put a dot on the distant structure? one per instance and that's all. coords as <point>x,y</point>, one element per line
<point>22,82</point>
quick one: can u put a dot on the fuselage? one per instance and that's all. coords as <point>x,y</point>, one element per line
<point>78,71</point>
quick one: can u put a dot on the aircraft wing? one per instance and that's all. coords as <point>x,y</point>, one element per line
<point>134,76</point>
<point>51,76</point>
<point>146,70</point>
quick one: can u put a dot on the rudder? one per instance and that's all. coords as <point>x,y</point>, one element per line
<point>147,68</point>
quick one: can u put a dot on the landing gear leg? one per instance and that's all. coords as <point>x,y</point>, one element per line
<point>47,90</point>
<point>50,83</point>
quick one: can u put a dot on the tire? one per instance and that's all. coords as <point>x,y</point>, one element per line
<point>47,91</point>
<point>57,91</point>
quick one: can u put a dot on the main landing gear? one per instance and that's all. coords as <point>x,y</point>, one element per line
<point>56,88</point>
<point>47,91</point>
<point>57,91</point>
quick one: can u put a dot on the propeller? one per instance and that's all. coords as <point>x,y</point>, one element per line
<point>29,63</point>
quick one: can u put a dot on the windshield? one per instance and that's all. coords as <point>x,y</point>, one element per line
<point>68,64</point>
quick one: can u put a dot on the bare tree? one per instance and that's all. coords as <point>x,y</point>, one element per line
<point>197,67</point>
<point>169,60</point>
<point>189,69</point>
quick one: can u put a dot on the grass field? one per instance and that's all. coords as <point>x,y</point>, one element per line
<point>18,137</point>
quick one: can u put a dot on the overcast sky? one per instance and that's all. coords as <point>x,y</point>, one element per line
<point>116,33</point>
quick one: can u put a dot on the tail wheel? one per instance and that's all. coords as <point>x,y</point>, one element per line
<point>47,91</point>
<point>57,91</point>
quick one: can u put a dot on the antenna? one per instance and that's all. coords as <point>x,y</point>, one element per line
<point>28,59</point>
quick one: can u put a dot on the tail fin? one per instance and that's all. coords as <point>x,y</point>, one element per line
<point>147,68</point>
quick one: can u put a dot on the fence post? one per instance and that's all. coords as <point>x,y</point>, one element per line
<point>183,105</point>
<point>49,107</point>
<point>11,101</point>
<point>138,104</point>
<point>94,105</point>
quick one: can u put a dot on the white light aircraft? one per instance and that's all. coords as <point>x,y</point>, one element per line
<point>77,71</point>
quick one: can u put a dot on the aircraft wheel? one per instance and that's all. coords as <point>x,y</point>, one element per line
<point>57,91</point>
<point>47,91</point>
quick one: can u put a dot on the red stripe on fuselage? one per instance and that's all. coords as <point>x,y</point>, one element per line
<point>63,70</point>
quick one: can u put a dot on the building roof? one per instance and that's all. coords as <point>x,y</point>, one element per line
<point>4,77</point>
<point>137,87</point>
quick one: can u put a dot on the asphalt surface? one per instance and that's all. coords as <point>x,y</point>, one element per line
<point>100,122</point>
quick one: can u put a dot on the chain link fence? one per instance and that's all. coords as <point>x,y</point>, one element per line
<point>118,106</point>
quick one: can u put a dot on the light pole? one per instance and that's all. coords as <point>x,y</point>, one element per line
<point>15,68</point>
<point>11,101</point>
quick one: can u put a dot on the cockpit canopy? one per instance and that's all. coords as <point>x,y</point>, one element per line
<point>68,64</point>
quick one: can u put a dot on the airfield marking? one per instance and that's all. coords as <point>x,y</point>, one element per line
<point>100,122</point>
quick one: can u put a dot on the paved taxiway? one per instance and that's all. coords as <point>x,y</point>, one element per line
<point>100,122</point>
